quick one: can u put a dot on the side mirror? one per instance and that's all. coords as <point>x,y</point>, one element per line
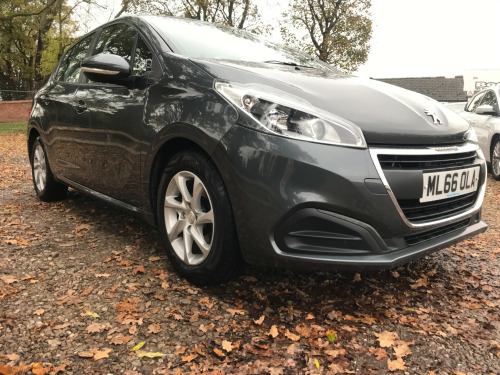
<point>106,68</point>
<point>485,110</point>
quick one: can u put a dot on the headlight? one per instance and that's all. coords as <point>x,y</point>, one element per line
<point>470,135</point>
<point>282,114</point>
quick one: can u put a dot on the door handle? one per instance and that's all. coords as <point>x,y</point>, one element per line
<point>81,106</point>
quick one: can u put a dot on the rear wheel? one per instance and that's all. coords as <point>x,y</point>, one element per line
<point>46,187</point>
<point>196,220</point>
<point>495,158</point>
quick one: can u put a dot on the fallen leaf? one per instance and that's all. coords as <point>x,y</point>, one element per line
<point>39,312</point>
<point>103,275</point>
<point>87,291</point>
<point>139,269</point>
<point>96,327</point>
<point>419,283</point>
<point>85,354</point>
<point>219,352</point>
<point>227,346</point>
<point>8,279</point>
<point>181,350</point>
<point>138,346</point>
<point>331,336</point>
<point>154,259</point>
<point>92,314</point>
<point>379,353</point>
<point>273,332</point>
<point>397,364</point>
<point>38,369</point>
<point>100,354</point>
<point>292,336</point>
<point>402,349</point>
<point>310,316</point>
<point>60,368</point>
<point>194,318</point>
<point>387,339</point>
<point>260,320</point>
<point>154,328</point>
<point>150,355</point>
<point>120,339</point>
<point>335,353</point>
<point>206,328</point>
<point>316,363</point>
<point>233,312</point>
<point>13,357</point>
<point>189,358</point>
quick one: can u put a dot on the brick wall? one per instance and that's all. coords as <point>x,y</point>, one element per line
<point>15,111</point>
<point>439,88</point>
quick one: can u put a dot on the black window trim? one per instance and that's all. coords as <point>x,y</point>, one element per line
<point>84,81</point>
<point>65,54</point>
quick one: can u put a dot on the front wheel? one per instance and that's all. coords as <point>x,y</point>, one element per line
<point>495,159</point>
<point>46,187</point>
<point>196,220</point>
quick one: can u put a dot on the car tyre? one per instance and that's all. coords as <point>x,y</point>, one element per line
<point>46,187</point>
<point>495,159</point>
<point>196,221</point>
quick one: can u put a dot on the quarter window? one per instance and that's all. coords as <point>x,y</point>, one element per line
<point>143,58</point>
<point>69,70</point>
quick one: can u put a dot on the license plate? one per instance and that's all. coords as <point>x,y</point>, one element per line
<point>448,184</point>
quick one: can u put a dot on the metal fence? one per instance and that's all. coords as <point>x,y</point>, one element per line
<point>17,91</point>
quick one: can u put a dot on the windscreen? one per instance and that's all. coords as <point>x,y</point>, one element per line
<point>205,40</point>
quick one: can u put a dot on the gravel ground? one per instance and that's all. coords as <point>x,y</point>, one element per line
<point>82,284</point>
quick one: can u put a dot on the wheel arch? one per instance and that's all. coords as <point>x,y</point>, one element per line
<point>33,135</point>
<point>493,139</point>
<point>163,155</point>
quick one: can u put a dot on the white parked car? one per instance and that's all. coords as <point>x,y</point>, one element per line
<point>483,113</point>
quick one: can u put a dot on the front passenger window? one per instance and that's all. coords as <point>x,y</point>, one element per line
<point>118,40</point>
<point>490,99</point>
<point>474,103</point>
<point>69,70</point>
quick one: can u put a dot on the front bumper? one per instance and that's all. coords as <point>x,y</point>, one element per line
<point>305,205</point>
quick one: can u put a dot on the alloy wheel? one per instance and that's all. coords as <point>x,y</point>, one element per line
<point>495,159</point>
<point>39,168</point>
<point>189,218</point>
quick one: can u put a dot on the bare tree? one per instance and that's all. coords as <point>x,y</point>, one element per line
<point>337,31</point>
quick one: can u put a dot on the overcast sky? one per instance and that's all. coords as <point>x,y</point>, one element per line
<point>412,38</point>
<point>418,38</point>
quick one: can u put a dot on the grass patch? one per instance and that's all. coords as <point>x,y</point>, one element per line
<point>12,127</point>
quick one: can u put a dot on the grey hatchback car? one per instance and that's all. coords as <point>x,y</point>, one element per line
<point>242,151</point>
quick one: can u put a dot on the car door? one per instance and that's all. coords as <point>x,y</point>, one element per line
<point>60,95</point>
<point>113,141</point>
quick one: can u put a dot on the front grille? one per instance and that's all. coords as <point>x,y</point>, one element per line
<point>418,212</point>
<point>426,161</point>
<point>425,236</point>
<point>404,167</point>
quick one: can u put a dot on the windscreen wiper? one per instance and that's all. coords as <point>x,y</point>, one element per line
<point>287,63</point>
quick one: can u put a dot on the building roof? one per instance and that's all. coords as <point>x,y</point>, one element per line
<point>439,88</point>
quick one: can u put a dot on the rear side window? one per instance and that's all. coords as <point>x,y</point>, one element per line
<point>69,70</point>
<point>118,40</point>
